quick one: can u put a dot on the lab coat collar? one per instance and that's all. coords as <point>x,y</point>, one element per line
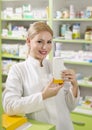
<point>34,61</point>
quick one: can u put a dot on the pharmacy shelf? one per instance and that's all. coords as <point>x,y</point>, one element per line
<point>75,19</point>
<point>13,38</point>
<point>59,39</point>
<point>23,19</point>
<point>9,0</point>
<point>78,62</point>
<point>83,111</point>
<point>12,57</point>
<point>84,83</point>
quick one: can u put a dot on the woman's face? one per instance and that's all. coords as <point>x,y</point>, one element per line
<point>40,45</point>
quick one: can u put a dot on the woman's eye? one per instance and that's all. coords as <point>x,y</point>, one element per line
<point>49,42</point>
<point>39,41</point>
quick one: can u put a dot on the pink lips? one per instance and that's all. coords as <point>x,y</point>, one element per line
<point>43,52</point>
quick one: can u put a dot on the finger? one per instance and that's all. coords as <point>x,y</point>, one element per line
<point>59,87</point>
<point>56,88</point>
<point>50,82</point>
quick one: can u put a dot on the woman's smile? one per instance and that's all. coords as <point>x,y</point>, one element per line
<point>43,52</point>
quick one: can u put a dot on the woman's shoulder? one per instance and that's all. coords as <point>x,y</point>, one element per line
<point>18,67</point>
<point>18,64</point>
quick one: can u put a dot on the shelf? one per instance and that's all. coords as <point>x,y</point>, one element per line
<point>9,0</point>
<point>78,63</point>
<point>84,83</point>
<point>83,110</point>
<point>24,19</point>
<point>72,41</point>
<point>12,57</point>
<point>12,38</point>
<point>75,19</point>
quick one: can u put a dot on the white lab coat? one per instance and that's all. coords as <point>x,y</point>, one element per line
<point>22,95</point>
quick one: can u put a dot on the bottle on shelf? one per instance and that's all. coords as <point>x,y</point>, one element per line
<point>88,33</point>
<point>72,12</point>
<point>76,31</point>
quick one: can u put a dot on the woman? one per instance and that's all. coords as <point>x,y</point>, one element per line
<point>30,89</point>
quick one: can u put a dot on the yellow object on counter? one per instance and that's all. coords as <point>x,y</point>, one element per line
<point>15,122</point>
<point>12,122</point>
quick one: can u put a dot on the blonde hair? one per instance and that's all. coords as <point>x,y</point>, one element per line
<point>38,27</point>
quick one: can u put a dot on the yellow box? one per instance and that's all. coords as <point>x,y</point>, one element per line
<point>12,122</point>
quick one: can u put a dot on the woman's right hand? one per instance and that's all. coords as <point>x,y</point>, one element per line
<point>51,90</point>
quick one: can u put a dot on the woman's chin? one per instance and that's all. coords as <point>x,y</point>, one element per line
<point>42,57</point>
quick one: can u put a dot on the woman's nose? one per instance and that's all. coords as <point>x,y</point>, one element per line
<point>45,46</point>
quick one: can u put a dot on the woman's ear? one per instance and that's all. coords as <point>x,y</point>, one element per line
<point>28,41</point>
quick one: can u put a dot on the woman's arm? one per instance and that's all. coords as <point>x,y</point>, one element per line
<point>14,102</point>
<point>72,94</point>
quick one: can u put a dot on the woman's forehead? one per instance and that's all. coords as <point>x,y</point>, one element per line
<point>44,34</point>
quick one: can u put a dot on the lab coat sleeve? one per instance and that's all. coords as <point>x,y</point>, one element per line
<point>71,101</point>
<point>13,101</point>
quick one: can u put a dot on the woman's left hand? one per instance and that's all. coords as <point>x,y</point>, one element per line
<point>69,75</point>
